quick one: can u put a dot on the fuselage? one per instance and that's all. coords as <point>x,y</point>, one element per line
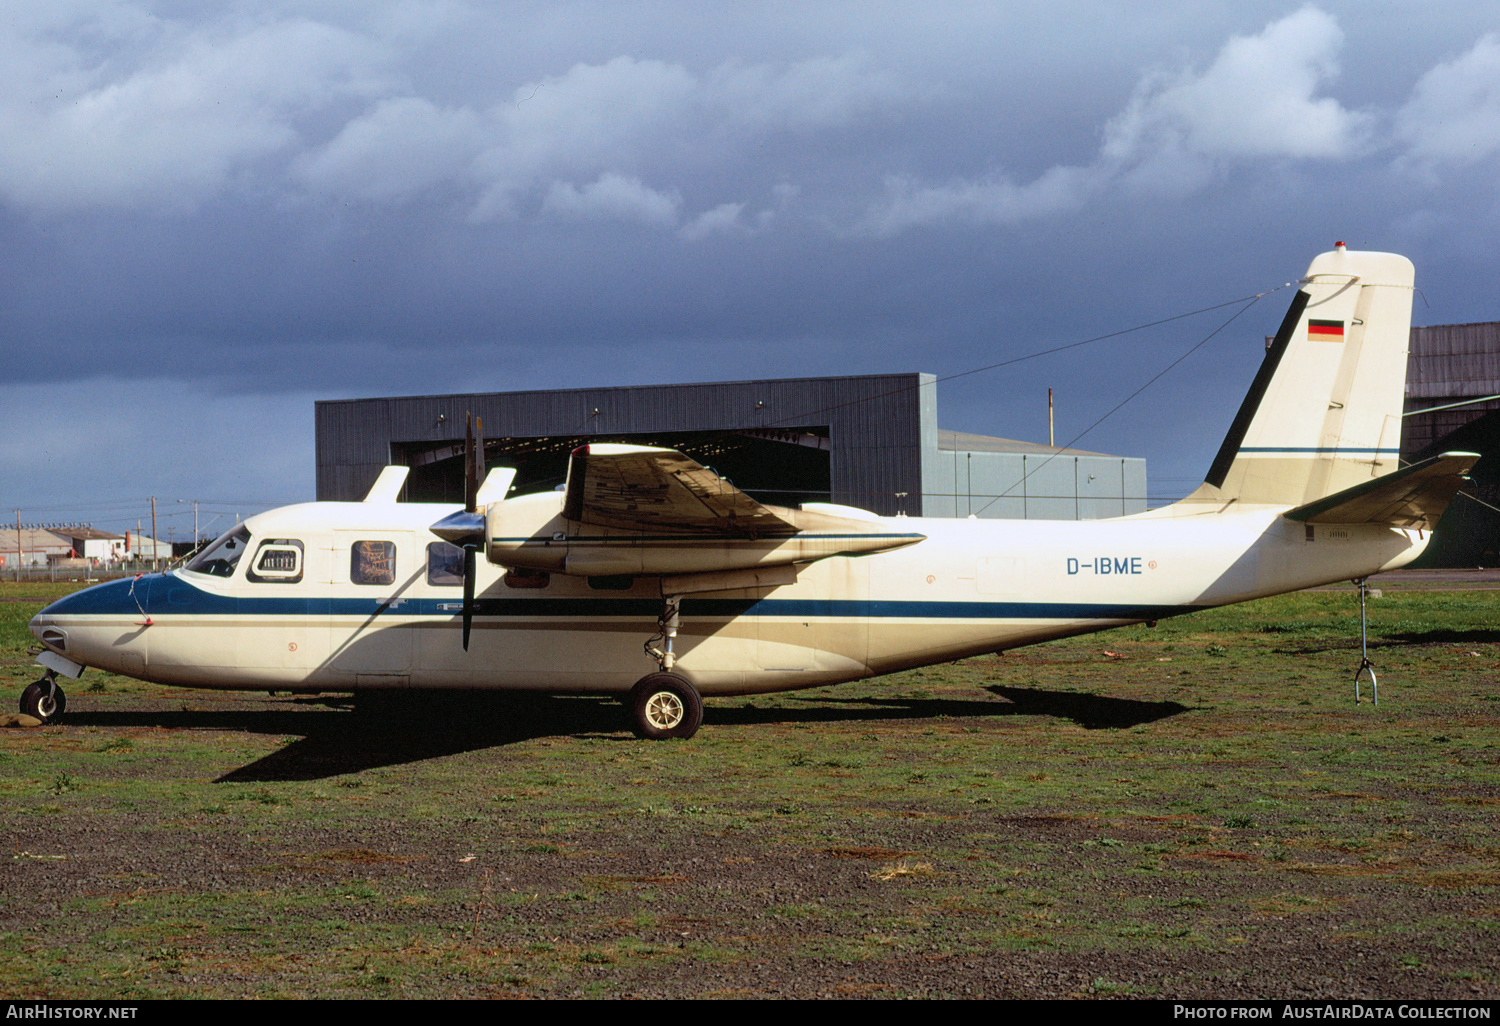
<point>357,596</point>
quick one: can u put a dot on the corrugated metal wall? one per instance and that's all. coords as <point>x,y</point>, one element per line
<point>1454,360</point>
<point>1449,363</point>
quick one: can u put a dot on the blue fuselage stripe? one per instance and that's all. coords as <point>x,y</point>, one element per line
<point>162,596</point>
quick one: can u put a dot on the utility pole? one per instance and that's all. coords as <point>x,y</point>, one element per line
<point>18,546</point>
<point>195,521</point>
<point>154,545</point>
<point>1051,443</point>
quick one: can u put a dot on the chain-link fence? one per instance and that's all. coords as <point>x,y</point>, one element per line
<point>75,570</point>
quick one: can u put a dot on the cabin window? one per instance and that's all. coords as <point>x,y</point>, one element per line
<point>445,564</point>
<point>220,558</point>
<point>277,561</point>
<point>372,562</point>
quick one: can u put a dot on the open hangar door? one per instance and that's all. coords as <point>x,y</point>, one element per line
<point>782,467</point>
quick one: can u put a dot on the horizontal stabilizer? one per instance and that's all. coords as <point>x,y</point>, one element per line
<point>1414,496</point>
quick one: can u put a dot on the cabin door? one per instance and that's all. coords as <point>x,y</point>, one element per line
<point>375,574</point>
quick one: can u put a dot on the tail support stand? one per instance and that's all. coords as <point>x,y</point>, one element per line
<point>666,633</point>
<point>1365,666</point>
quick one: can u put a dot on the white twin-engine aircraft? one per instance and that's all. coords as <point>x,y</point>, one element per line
<point>737,597</point>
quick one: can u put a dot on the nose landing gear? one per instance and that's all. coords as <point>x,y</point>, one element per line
<point>44,699</point>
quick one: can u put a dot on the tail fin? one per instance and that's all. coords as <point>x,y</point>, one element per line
<point>1324,412</point>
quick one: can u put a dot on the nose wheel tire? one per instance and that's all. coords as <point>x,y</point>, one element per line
<point>44,702</point>
<point>664,705</point>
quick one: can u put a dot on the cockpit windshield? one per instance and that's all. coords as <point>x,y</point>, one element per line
<point>220,558</point>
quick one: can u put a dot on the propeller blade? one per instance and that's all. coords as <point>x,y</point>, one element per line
<point>478,459</point>
<point>469,569</point>
<point>471,480</point>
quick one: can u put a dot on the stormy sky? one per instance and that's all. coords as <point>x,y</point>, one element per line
<point>214,214</point>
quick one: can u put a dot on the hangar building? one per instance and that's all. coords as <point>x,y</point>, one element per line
<point>1453,404</point>
<point>870,441</point>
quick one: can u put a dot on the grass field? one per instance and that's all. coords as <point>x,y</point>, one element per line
<point>1194,810</point>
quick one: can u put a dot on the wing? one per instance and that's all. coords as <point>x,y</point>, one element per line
<point>632,510</point>
<point>637,488</point>
<point>1414,496</point>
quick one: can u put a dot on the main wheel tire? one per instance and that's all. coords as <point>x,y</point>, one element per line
<point>664,705</point>
<point>45,703</point>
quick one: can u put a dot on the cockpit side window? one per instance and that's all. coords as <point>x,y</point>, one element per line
<point>277,561</point>
<point>372,562</point>
<point>220,558</point>
<point>445,564</point>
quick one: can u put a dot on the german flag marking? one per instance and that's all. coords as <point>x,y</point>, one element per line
<point>1325,331</point>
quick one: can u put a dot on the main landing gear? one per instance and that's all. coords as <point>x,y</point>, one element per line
<point>44,699</point>
<point>664,704</point>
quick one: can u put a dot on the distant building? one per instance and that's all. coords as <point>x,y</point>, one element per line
<point>90,543</point>
<point>1006,479</point>
<point>32,546</point>
<point>139,546</point>
<point>58,545</point>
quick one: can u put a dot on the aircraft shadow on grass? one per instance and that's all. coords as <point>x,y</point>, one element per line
<point>1401,639</point>
<point>1091,712</point>
<point>1475,636</point>
<point>335,741</point>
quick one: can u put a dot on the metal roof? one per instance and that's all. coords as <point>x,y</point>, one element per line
<point>962,441</point>
<point>86,534</point>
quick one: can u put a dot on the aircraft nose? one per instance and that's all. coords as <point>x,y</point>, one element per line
<point>124,596</point>
<point>85,626</point>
